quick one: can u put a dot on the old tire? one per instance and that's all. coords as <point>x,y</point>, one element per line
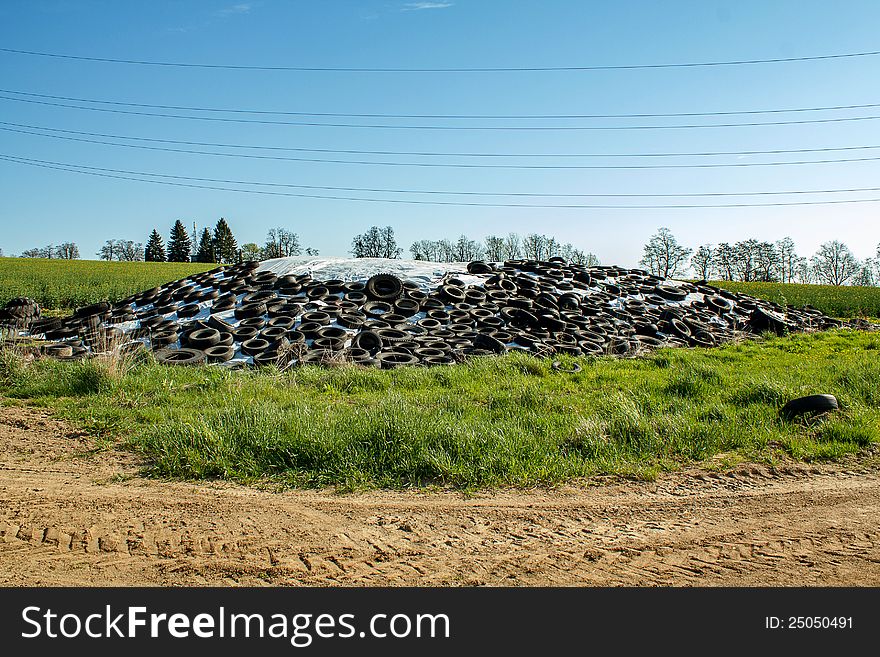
<point>810,404</point>
<point>384,287</point>
<point>183,356</point>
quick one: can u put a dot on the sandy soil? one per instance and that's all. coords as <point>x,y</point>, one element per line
<point>70,515</point>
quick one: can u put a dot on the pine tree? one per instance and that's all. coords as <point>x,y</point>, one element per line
<point>225,246</point>
<point>155,251</point>
<point>205,252</point>
<point>180,245</point>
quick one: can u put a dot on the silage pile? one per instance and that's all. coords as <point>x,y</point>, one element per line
<point>392,313</point>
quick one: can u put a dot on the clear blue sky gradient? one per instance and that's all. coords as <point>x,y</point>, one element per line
<point>39,206</point>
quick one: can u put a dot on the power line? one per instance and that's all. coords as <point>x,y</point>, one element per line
<point>445,116</point>
<point>449,165</point>
<point>431,153</point>
<point>441,192</point>
<point>375,126</point>
<point>83,170</point>
<point>503,69</point>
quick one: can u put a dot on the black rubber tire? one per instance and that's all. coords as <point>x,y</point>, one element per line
<point>489,343</point>
<point>94,309</point>
<point>243,333</point>
<point>183,356</point>
<point>317,316</point>
<point>250,310</point>
<point>368,340</point>
<point>267,358</point>
<point>254,346</point>
<point>557,366</point>
<point>670,292</point>
<point>317,357</point>
<point>479,267</point>
<point>452,293</point>
<point>389,360</point>
<point>328,344</point>
<point>58,350</point>
<point>810,404</point>
<point>163,338</point>
<point>202,338</point>
<point>384,287</point>
<point>219,353</point>
<point>222,304</point>
<point>376,309</point>
<point>406,307</point>
<point>254,322</point>
<point>351,320</point>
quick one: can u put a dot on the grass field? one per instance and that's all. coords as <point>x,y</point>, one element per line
<point>837,301</point>
<point>506,421</point>
<point>66,284</point>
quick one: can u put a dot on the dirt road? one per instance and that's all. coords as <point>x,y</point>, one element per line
<point>72,516</point>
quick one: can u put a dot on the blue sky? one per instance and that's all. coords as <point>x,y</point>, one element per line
<point>38,206</point>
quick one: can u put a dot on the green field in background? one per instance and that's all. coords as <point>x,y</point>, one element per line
<point>66,284</point>
<point>836,301</point>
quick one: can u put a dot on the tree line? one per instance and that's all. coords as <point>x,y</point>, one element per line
<point>756,260</point>
<point>210,246</point>
<point>663,255</point>
<point>380,243</point>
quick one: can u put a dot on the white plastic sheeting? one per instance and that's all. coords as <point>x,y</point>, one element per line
<point>428,275</point>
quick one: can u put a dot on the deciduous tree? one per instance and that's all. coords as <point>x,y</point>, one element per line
<point>834,263</point>
<point>376,243</point>
<point>664,256</point>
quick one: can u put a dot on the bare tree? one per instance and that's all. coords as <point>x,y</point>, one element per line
<point>67,251</point>
<point>108,251</point>
<point>34,253</point>
<point>867,274</point>
<point>129,251</point>
<point>494,246</point>
<point>376,243</point>
<point>745,256</point>
<point>725,259</point>
<point>445,251</point>
<point>766,262</point>
<point>803,271</point>
<point>787,259</point>
<point>587,259</point>
<point>703,261</point>
<point>467,250</point>
<point>664,256</point>
<point>537,247</point>
<point>576,256</point>
<point>310,251</point>
<point>512,247</point>
<point>281,243</point>
<point>424,250</point>
<point>834,263</point>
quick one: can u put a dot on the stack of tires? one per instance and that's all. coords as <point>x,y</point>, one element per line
<point>20,313</point>
<point>239,315</point>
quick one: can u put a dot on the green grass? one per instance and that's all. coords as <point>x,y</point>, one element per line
<point>493,422</point>
<point>837,301</point>
<point>66,284</point>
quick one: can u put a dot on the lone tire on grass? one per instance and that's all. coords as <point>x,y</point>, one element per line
<point>810,404</point>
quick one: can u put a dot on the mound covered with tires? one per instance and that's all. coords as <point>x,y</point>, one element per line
<point>287,313</point>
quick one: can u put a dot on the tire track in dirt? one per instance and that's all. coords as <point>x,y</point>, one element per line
<point>71,515</point>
